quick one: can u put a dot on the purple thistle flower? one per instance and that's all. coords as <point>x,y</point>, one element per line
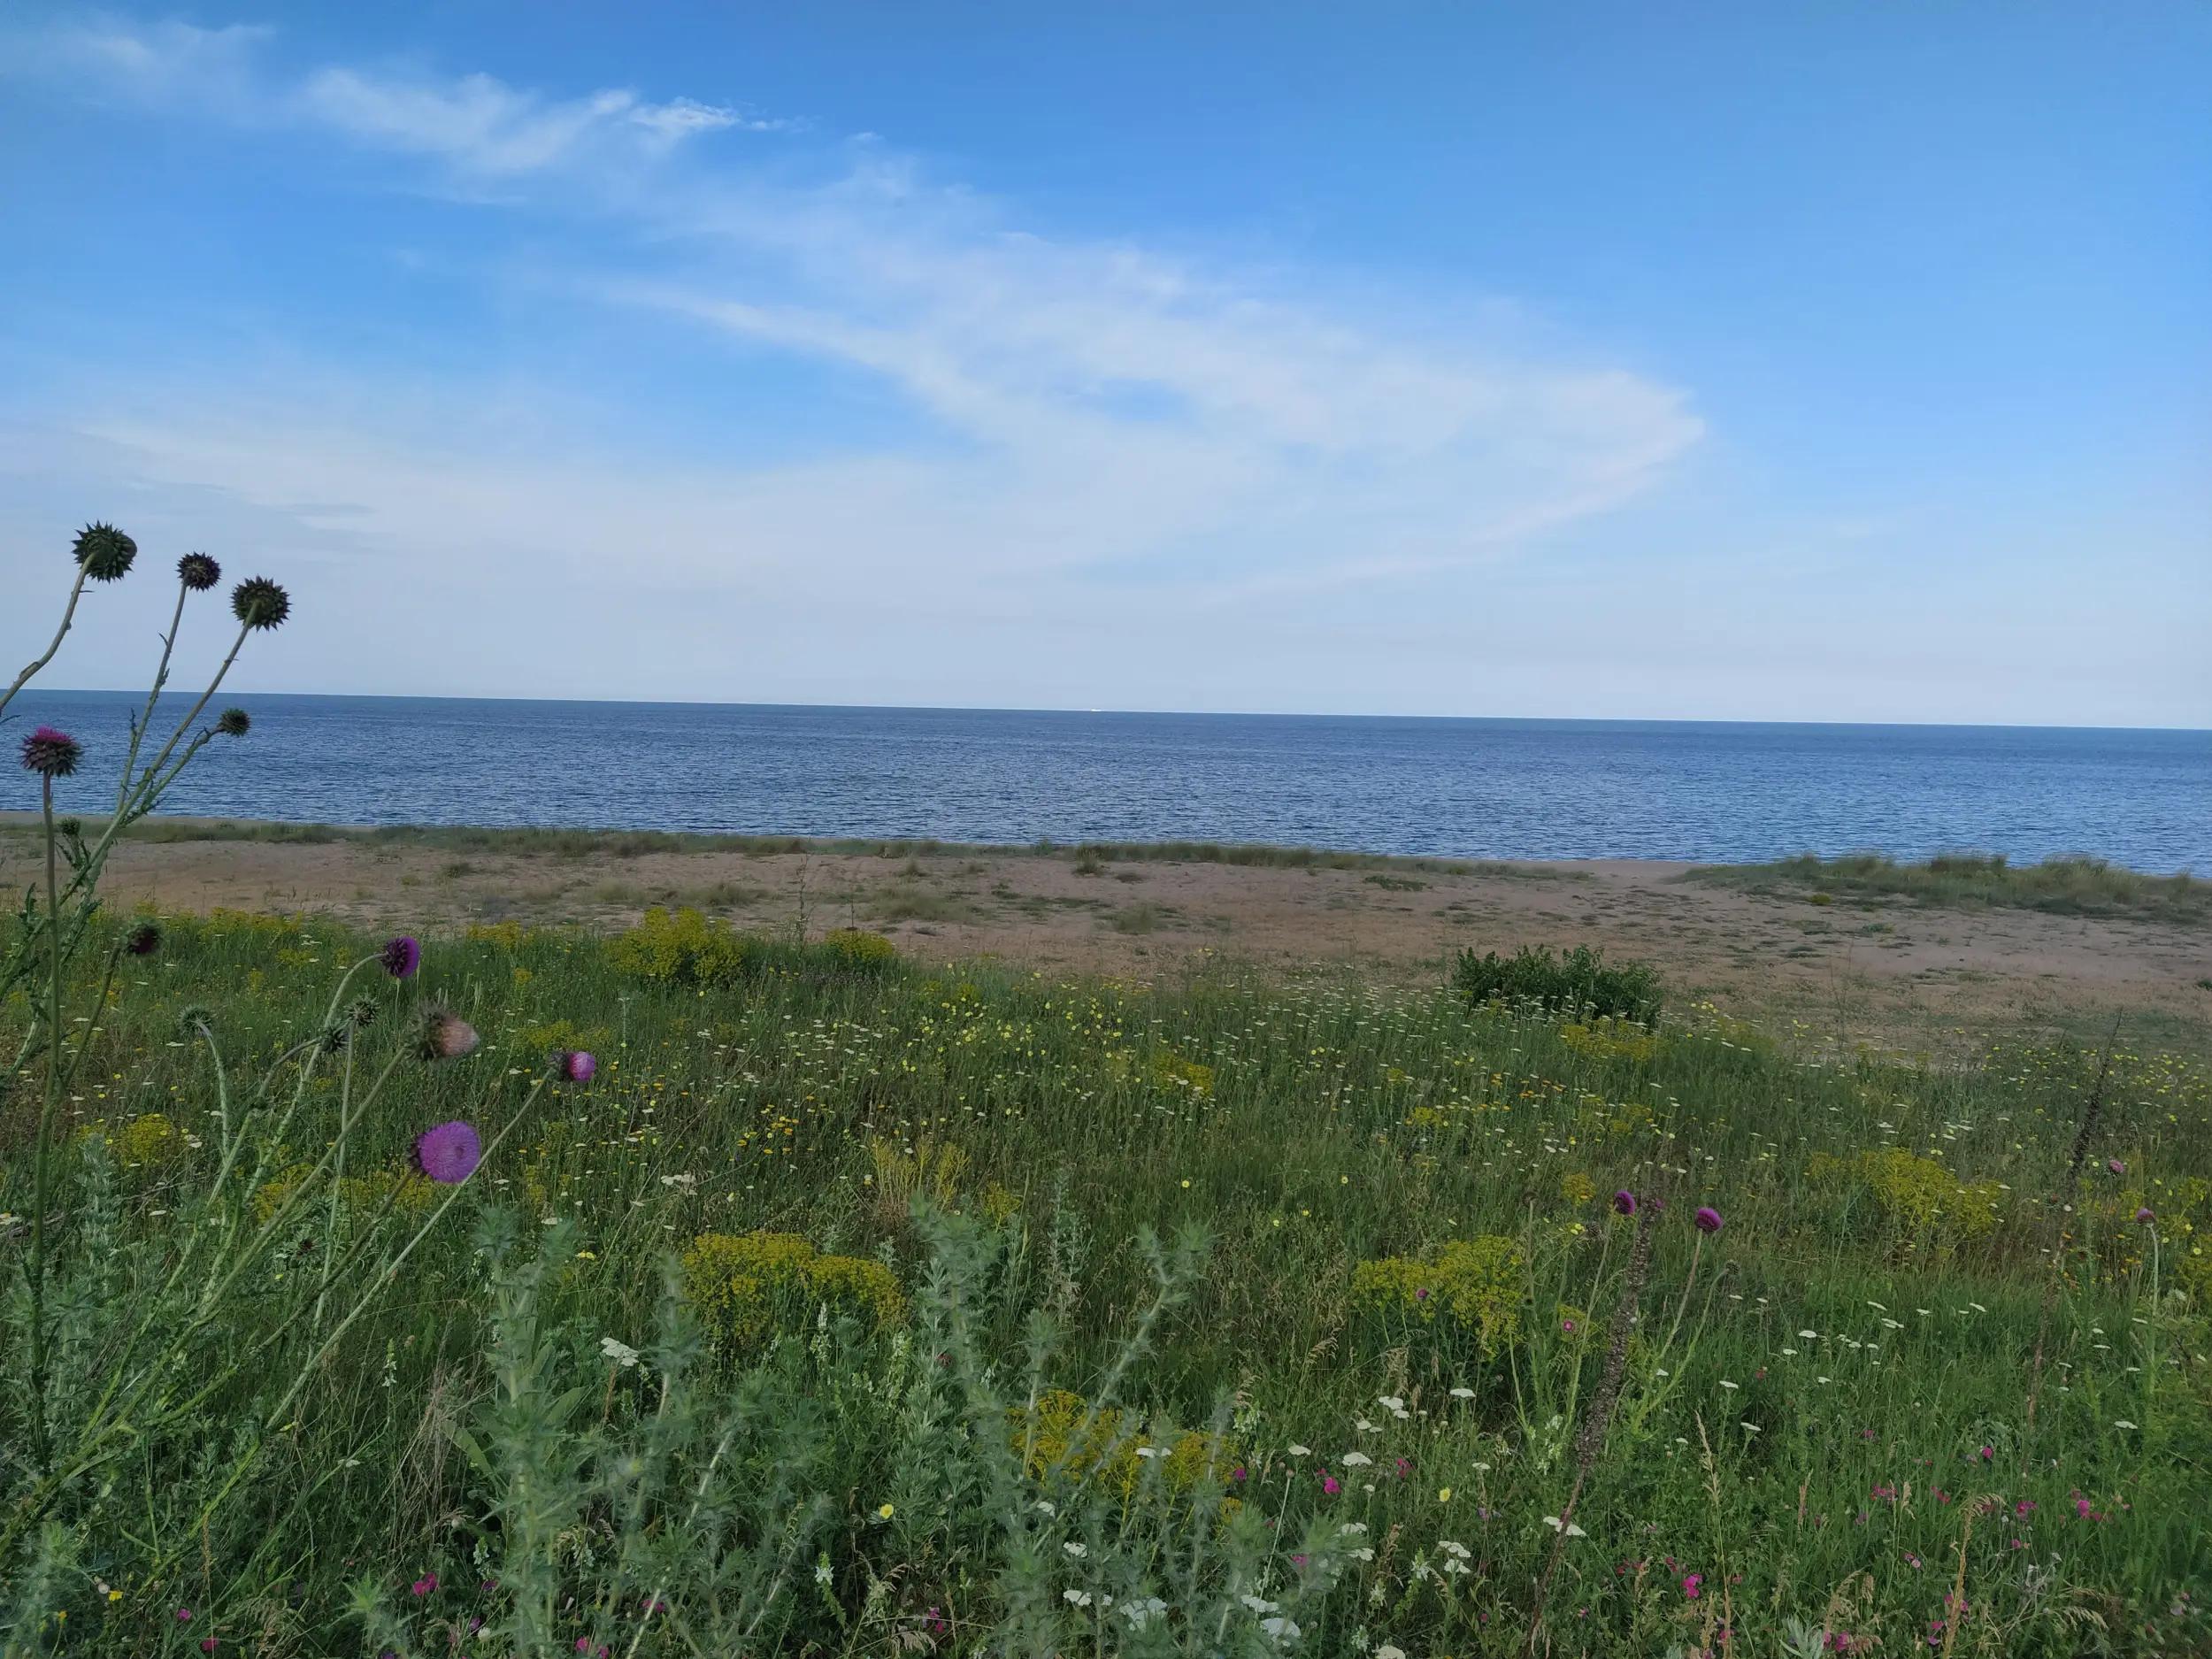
<point>576,1066</point>
<point>2145,1216</point>
<point>402,956</point>
<point>445,1036</point>
<point>51,754</point>
<point>2115,1166</point>
<point>1707,1219</point>
<point>1625,1202</point>
<point>449,1153</point>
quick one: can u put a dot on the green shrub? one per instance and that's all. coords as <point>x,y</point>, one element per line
<point>682,948</point>
<point>1578,982</point>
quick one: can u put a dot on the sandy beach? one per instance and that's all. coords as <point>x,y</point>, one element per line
<point>1894,973</point>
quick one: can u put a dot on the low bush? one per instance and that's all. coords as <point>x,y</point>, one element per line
<point>1579,982</point>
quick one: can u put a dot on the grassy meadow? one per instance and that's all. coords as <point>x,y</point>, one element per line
<point>855,1306</point>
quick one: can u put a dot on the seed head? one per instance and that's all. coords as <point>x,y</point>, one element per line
<point>51,754</point>
<point>144,940</point>
<point>445,1036</point>
<point>361,1011</point>
<point>234,723</point>
<point>104,553</point>
<point>259,603</point>
<point>198,572</point>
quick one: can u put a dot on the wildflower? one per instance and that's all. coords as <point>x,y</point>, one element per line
<point>2115,1166</point>
<point>1568,1527</point>
<point>51,754</point>
<point>2145,1217</point>
<point>1707,1219</point>
<point>576,1066</point>
<point>234,723</point>
<point>402,956</point>
<point>1331,1485</point>
<point>208,1644</point>
<point>1386,1651</point>
<point>424,1584</point>
<point>259,603</point>
<point>1462,1394</point>
<point>1076,1597</point>
<point>103,553</point>
<point>446,1035</point>
<point>1354,1460</point>
<point>621,1353</point>
<point>1624,1202</point>
<point>1302,1451</point>
<point>184,1616</point>
<point>1443,1494</point>
<point>1280,1629</point>
<point>448,1153</point>
<point>883,1512</point>
<point>198,572</point>
<point>1691,1584</point>
<point>144,940</point>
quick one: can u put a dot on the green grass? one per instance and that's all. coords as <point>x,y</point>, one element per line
<point>2060,887</point>
<point>834,1483</point>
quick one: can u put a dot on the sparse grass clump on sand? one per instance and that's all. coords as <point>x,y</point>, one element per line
<point>2078,885</point>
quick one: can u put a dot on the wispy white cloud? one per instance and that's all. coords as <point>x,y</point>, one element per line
<point>1125,421</point>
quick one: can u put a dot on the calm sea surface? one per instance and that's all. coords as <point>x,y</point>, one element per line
<point>1470,788</point>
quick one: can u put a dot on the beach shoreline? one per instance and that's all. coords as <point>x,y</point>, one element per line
<point>1832,972</point>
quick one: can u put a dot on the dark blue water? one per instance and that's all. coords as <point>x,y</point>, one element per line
<point>1472,788</point>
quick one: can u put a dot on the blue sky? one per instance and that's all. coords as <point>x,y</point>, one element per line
<point>1811,361</point>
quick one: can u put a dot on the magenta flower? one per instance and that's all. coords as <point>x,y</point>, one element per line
<point>1625,1202</point>
<point>1707,1219</point>
<point>1691,1582</point>
<point>402,956</point>
<point>575,1066</point>
<point>51,754</point>
<point>1330,1485</point>
<point>448,1155</point>
<point>428,1582</point>
<point>2115,1166</point>
<point>2145,1216</point>
<point>208,1644</point>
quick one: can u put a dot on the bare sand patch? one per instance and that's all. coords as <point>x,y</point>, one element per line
<point>1891,972</point>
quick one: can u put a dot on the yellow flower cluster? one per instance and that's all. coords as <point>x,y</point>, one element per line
<point>744,1284</point>
<point>403,1189</point>
<point>148,1139</point>
<point>1608,1040</point>
<point>1062,1431</point>
<point>1479,1284</point>
<point>1917,1193</point>
<point>682,947</point>
<point>856,948</point>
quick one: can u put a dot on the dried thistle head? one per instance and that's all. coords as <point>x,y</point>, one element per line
<point>234,723</point>
<point>104,553</point>
<point>198,572</point>
<point>259,603</point>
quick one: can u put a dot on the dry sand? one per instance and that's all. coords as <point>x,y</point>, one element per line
<point>1894,975</point>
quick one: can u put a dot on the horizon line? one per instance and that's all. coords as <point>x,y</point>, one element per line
<point>1249,714</point>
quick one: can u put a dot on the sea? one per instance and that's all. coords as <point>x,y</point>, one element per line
<point>1703,791</point>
